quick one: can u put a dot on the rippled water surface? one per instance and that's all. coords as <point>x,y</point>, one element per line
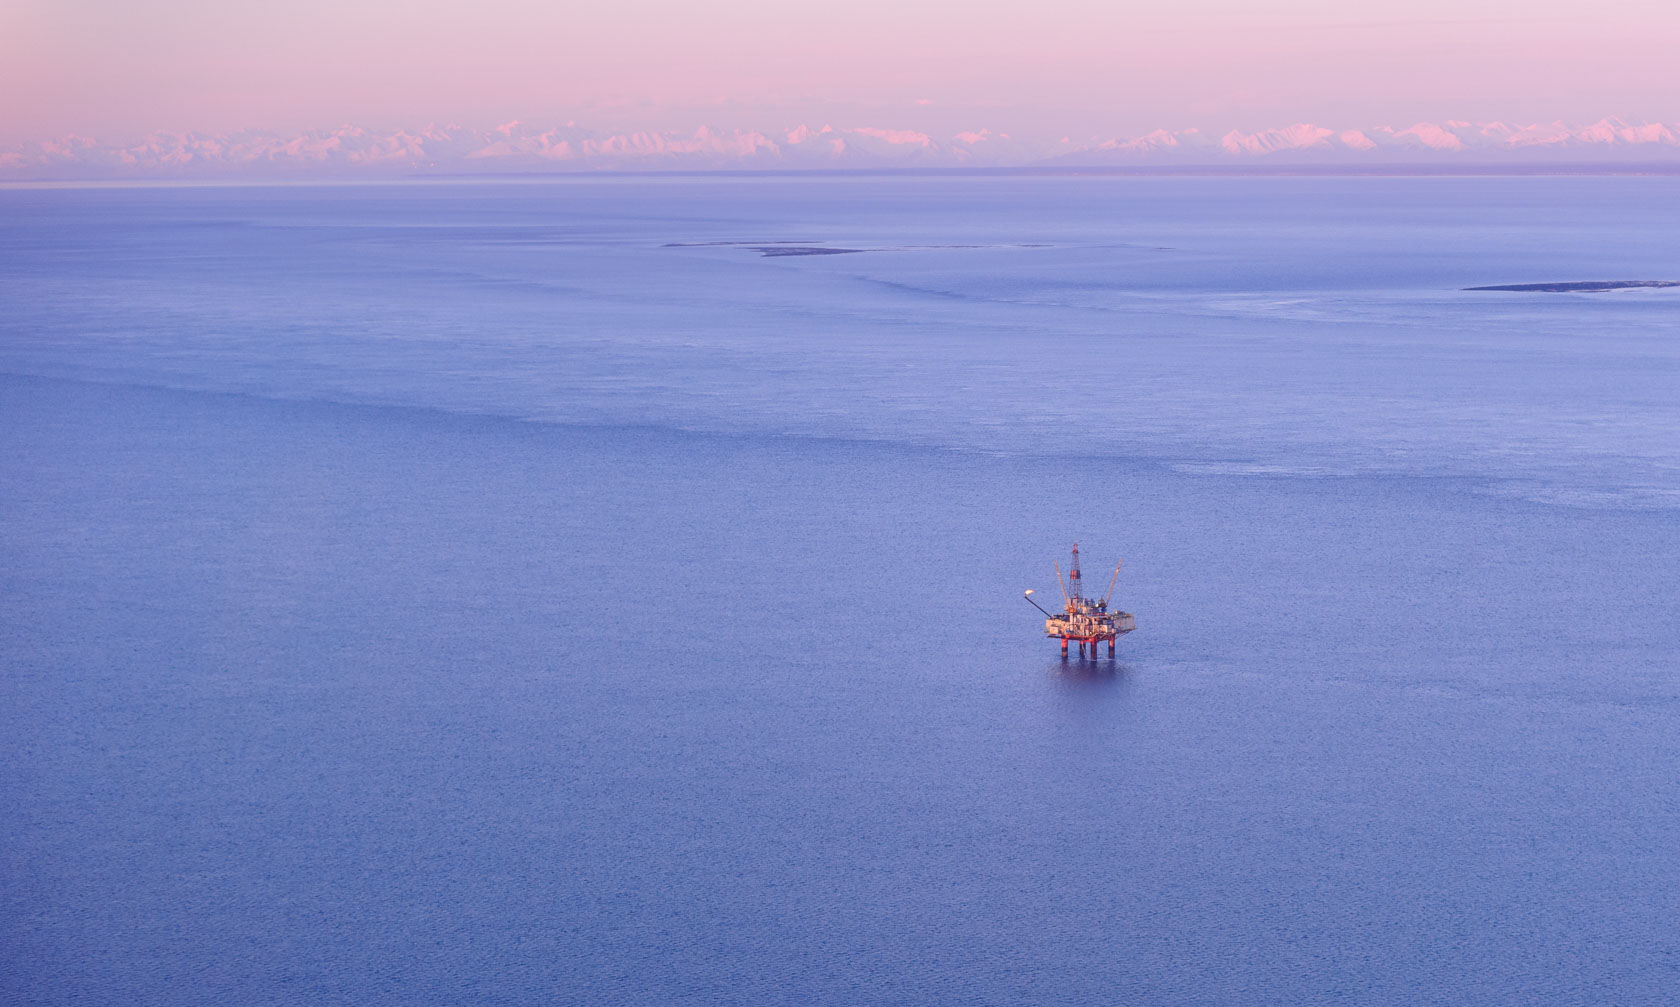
<point>521,592</point>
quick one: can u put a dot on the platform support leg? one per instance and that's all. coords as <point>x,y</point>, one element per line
<point>1111,647</point>
<point>1064,648</point>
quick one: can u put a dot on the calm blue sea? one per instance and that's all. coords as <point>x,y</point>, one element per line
<point>534,592</point>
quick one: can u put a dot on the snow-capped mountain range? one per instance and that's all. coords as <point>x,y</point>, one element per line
<point>517,147</point>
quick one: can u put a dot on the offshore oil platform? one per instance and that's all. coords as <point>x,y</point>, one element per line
<point>1086,620</point>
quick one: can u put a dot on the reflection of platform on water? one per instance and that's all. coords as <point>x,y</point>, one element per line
<point>1082,675</point>
<point>1086,621</point>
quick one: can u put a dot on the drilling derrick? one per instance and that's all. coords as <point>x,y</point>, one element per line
<point>1085,620</point>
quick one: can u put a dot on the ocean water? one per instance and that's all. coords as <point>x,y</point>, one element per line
<point>535,592</point>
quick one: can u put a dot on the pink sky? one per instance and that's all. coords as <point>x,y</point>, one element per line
<point>115,68</point>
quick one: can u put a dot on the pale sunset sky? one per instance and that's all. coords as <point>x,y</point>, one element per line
<point>114,68</point>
